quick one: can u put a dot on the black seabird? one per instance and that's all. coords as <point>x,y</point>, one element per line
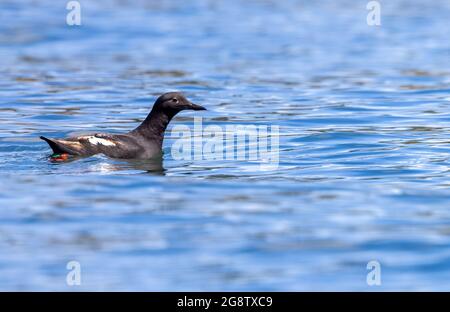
<point>144,142</point>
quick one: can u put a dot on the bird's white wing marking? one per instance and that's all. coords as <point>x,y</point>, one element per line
<point>96,141</point>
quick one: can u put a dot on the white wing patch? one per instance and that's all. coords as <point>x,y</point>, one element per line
<point>96,141</point>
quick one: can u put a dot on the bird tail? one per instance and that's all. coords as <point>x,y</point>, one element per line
<point>57,147</point>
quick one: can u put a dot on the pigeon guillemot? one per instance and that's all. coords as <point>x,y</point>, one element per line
<point>141,143</point>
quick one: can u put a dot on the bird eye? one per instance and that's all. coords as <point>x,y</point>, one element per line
<point>175,100</point>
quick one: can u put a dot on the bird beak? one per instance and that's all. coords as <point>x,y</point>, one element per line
<point>195,106</point>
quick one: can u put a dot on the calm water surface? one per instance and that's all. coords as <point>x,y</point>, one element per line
<point>364,146</point>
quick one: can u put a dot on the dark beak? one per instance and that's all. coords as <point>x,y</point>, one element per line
<point>195,106</point>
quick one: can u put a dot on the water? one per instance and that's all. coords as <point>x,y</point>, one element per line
<point>364,146</point>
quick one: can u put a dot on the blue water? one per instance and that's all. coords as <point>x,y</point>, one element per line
<point>364,123</point>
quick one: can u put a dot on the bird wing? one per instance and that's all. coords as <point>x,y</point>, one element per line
<point>83,145</point>
<point>112,145</point>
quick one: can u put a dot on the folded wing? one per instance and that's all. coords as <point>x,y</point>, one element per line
<point>117,146</point>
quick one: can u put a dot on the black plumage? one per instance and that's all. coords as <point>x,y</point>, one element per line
<point>144,142</point>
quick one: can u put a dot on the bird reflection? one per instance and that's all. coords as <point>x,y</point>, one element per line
<point>152,166</point>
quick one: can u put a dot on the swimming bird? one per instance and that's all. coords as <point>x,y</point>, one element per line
<point>144,142</point>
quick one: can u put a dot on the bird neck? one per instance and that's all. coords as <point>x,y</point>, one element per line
<point>154,126</point>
